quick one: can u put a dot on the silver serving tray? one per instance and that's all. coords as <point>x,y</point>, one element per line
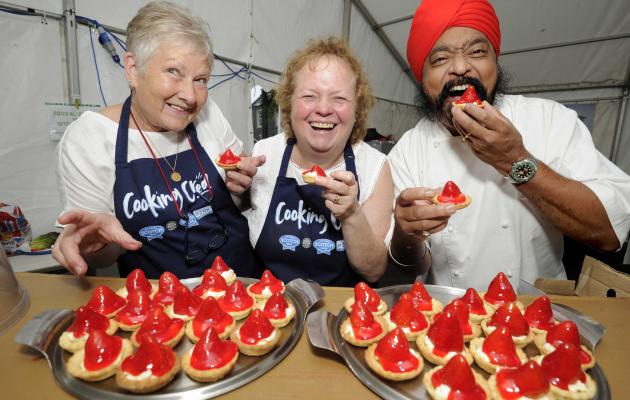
<point>323,332</point>
<point>43,331</point>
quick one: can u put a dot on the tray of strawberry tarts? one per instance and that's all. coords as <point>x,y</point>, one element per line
<point>196,338</point>
<point>436,342</point>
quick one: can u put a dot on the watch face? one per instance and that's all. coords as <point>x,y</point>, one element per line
<point>523,171</point>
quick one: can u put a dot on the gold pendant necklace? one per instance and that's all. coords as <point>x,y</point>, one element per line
<point>175,176</point>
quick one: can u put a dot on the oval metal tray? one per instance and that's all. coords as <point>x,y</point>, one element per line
<point>323,332</point>
<point>43,331</point>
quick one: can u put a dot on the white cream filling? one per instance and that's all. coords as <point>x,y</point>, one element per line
<point>118,359</point>
<point>479,352</point>
<point>348,330</point>
<point>213,293</point>
<point>229,275</point>
<point>443,391</point>
<point>181,316</point>
<point>142,376</point>
<point>491,329</point>
<point>431,346</point>
<point>69,336</point>
<point>262,341</point>
<point>392,325</point>
<point>290,311</point>
<point>578,386</point>
<point>548,348</point>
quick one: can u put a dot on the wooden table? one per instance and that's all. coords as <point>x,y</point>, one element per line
<point>303,374</point>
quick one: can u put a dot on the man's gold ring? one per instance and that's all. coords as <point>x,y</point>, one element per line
<point>336,199</point>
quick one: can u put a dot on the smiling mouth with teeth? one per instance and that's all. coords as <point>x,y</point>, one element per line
<point>457,90</point>
<point>322,125</point>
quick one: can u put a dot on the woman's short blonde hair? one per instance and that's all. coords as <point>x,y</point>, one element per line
<point>314,50</point>
<point>159,22</point>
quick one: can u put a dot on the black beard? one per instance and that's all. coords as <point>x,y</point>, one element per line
<point>436,110</point>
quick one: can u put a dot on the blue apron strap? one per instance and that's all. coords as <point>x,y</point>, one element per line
<point>121,138</point>
<point>286,156</point>
<point>348,156</point>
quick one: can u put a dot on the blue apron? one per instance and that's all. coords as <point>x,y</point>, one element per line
<point>209,218</point>
<point>300,237</point>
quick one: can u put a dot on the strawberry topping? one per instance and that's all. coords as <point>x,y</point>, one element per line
<point>315,169</point>
<point>451,194</point>
<point>101,350</point>
<point>211,315</point>
<point>269,281</point>
<point>105,301</point>
<point>150,356</point>
<point>562,367</point>
<point>185,302</point>
<point>86,320</point>
<point>446,334</point>
<point>137,280</point>
<point>212,352</point>
<point>364,326</point>
<point>219,265</point>
<point>404,314</point>
<point>458,376</point>
<point>159,326</point>
<point>167,285</point>
<point>255,328</point>
<point>212,281</point>
<point>500,290</point>
<point>367,295</point>
<point>460,309</point>
<point>228,158</point>
<point>475,304</point>
<point>539,314</point>
<point>236,298</point>
<point>276,307</point>
<point>567,332</point>
<point>527,380</point>
<point>422,300</point>
<point>509,315</point>
<point>393,353</point>
<point>469,96</point>
<point>136,309</point>
<point>500,348</point>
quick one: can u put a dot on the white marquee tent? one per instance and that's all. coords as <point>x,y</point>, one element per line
<point>573,51</point>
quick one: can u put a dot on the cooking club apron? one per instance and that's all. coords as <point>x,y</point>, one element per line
<point>300,237</point>
<point>210,224</point>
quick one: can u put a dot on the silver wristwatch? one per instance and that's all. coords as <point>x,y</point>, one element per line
<point>523,170</point>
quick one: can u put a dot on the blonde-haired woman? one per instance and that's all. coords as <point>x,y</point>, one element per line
<point>140,176</point>
<point>333,231</point>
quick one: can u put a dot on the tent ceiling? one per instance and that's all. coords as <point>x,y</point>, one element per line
<point>560,44</point>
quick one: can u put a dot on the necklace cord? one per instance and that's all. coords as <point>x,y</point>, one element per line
<point>179,211</point>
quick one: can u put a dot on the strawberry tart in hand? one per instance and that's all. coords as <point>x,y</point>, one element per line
<point>310,175</point>
<point>452,195</point>
<point>228,160</point>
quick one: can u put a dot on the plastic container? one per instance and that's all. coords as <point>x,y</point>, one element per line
<point>14,299</point>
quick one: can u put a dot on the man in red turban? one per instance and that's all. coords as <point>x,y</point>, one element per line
<point>508,162</point>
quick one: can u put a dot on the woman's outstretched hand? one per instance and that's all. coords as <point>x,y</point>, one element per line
<point>86,233</point>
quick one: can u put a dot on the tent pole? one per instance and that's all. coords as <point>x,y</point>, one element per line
<point>614,153</point>
<point>386,42</point>
<point>345,28</point>
<point>72,57</point>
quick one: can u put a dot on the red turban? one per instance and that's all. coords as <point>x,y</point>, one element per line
<point>433,17</point>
